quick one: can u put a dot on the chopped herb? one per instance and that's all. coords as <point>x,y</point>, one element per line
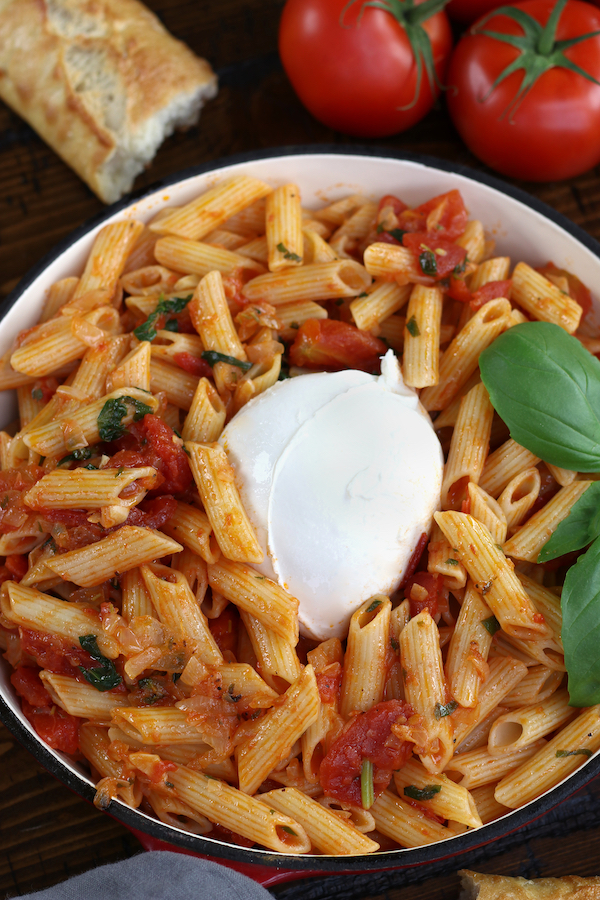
<point>110,418</point>
<point>395,644</point>
<point>171,325</point>
<point>260,577</point>
<point>90,467</point>
<point>287,254</point>
<point>169,784</point>
<point>412,327</point>
<point>339,302</point>
<point>37,394</point>
<point>379,228</point>
<point>492,625</point>
<point>582,751</point>
<point>153,691</point>
<point>397,233</point>
<point>439,710</point>
<point>50,543</point>
<point>233,698</point>
<point>294,325</point>
<point>451,562</point>
<point>5,501</point>
<point>428,262</point>
<point>460,267</point>
<point>426,793</point>
<point>363,294</point>
<point>120,471</point>
<point>367,791</point>
<point>212,357</point>
<point>485,587</point>
<point>289,830</point>
<point>103,677</point>
<point>175,677</point>
<point>147,330</point>
<point>373,606</point>
<point>77,455</point>
<point>284,371</point>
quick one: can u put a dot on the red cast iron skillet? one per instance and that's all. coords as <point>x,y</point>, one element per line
<point>264,866</point>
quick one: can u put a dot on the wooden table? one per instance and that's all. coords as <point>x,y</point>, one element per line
<point>47,833</point>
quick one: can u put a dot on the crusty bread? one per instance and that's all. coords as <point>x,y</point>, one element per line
<point>101,81</point>
<point>476,886</point>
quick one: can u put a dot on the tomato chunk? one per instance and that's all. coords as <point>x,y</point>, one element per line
<point>437,257</point>
<point>445,214</point>
<point>152,442</point>
<point>195,365</point>
<point>326,343</point>
<point>428,582</point>
<point>368,736</point>
<point>56,727</point>
<point>27,683</point>
<point>490,291</point>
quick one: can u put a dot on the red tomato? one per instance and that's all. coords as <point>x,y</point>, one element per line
<point>551,131</point>
<point>326,343</point>
<point>436,257</point>
<point>466,11</point>
<point>354,69</point>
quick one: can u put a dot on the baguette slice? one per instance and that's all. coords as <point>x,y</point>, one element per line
<point>101,81</point>
<point>476,886</point>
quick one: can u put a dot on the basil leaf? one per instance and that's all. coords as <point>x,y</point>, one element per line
<point>426,793</point>
<point>579,529</point>
<point>546,387</point>
<point>110,418</point>
<point>103,677</point>
<point>428,262</point>
<point>492,625</point>
<point>287,254</point>
<point>212,357</point>
<point>76,455</point>
<point>581,627</point>
<point>412,327</point>
<point>582,751</point>
<point>439,710</point>
<point>147,330</point>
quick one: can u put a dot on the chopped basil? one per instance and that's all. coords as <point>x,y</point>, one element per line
<point>147,330</point>
<point>373,606</point>
<point>426,793</point>
<point>37,394</point>
<point>395,644</point>
<point>339,302</point>
<point>289,830</point>
<point>379,228</point>
<point>103,677</point>
<point>110,425</point>
<point>492,625</point>
<point>460,267</point>
<point>397,233</point>
<point>363,294</point>
<point>77,455</point>
<point>582,751</point>
<point>428,262</point>
<point>287,254</point>
<point>439,710</point>
<point>367,791</point>
<point>171,325</point>
<point>153,691</point>
<point>284,372</point>
<point>412,327</point>
<point>451,562</point>
<point>212,357</point>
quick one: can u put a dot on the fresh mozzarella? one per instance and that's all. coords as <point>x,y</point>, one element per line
<point>340,474</point>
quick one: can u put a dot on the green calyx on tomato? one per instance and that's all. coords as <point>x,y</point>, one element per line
<point>539,49</point>
<point>410,16</point>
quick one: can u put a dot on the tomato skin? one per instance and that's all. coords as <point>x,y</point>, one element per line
<point>562,109</point>
<point>335,345</point>
<point>356,76</point>
<point>467,11</point>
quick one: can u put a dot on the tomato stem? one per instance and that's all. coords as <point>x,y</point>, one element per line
<point>538,49</point>
<point>410,16</point>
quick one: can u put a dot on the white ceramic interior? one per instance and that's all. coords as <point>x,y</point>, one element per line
<point>523,229</point>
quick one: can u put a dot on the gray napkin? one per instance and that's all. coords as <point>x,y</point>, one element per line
<point>159,875</point>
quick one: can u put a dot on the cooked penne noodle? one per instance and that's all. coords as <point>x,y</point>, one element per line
<point>518,497</point>
<point>206,416</point>
<point>277,657</point>
<point>80,699</point>
<point>378,304</point>
<point>466,664</point>
<point>420,365</point>
<point>539,684</point>
<point>469,446</point>
<point>486,510</point>
<point>449,801</point>
<point>319,281</point>
<point>543,300</point>
<point>527,542</point>
<point>521,727</point>
<point>477,767</point>
<point>364,665</point>
<point>503,465</point>
<point>406,825</point>
<point>283,219</point>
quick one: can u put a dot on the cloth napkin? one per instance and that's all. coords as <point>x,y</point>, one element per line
<point>159,875</point>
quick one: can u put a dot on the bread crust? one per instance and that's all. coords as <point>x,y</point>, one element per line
<point>101,81</point>
<point>477,886</point>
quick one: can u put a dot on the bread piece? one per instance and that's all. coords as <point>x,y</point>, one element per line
<point>101,81</point>
<point>476,886</point>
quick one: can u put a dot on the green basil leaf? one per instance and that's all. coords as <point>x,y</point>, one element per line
<point>580,528</point>
<point>439,710</point>
<point>492,625</point>
<point>581,627</point>
<point>546,387</point>
<point>212,357</point>
<point>76,455</point>
<point>426,793</point>
<point>147,330</point>
<point>428,262</point>
<point>103,677</point>
<point>110,418</point>
<point>412,327</point>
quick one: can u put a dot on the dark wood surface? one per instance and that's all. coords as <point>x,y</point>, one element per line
<point>46,832</point>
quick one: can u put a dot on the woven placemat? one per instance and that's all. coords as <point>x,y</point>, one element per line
<point>582,811</point>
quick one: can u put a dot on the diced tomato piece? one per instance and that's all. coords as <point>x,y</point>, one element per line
<point>458,290</point>
<point>20,479</point>
<point>55,653</point>
<point>153,513</point>
<point>69,517</point>
<point>430,582</point>
<point>491,291</point>
<point>415,558</point>
<point>225,628</point>
<point>445,214</point>
<point>195,365</point>
<point>56,727</point>
<point>436,257</point>
<point>17,565</point>
<point>27,683</point>
<point>329,682</point>
<point>368,736</point>
<point>396,205</point>
<point>152,442</point>
<point>577,289</point>
<point>325,343</point>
